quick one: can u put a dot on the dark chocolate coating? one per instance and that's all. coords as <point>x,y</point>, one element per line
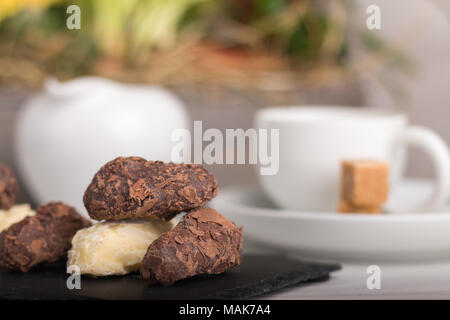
<point>8,188</point>
<point>203,242</point>
<point>45,237</point>
<point>128,188</point>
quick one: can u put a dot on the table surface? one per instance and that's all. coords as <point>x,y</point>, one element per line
<point>405,281</point>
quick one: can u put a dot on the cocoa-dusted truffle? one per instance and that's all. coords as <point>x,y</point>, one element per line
<point>203,242</point>
<point>8,188</point>
<point>133,187</point>
<point>44,237</point>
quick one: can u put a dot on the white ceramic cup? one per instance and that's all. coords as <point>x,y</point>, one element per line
<point>314,141</point>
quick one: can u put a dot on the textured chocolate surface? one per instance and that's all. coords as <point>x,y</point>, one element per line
<point>134,188</point>
<point>203,242</point>
<point>44,237</point>
<point>8,188</point>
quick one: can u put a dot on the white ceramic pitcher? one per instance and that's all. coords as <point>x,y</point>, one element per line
<point>67,132</point>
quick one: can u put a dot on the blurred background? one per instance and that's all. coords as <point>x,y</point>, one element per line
<point>224,59</point>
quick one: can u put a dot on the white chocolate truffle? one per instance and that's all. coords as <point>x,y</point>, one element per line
<point>14,215</point>
<point>114,247</point>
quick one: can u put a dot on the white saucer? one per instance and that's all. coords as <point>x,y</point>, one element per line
<point>342,237</point>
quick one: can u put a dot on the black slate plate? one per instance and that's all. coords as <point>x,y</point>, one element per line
<point>256,276</point>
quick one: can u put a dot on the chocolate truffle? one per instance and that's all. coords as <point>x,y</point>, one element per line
<point>44,237</point>
<point>129,188</point>
<point>203,242</point>
<point>115,247</point>
<point>14,215</point>
<point>8,188</point>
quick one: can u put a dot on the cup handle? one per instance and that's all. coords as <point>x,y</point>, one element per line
<point>436,149</point>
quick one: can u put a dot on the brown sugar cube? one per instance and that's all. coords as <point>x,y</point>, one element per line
<point>365,183</point>
<point>344,207</point>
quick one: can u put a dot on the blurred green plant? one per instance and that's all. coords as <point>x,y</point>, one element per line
<point>12,7</point>
<point>304,30</point>
<point>133,28</point>
<point>158,36</point>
